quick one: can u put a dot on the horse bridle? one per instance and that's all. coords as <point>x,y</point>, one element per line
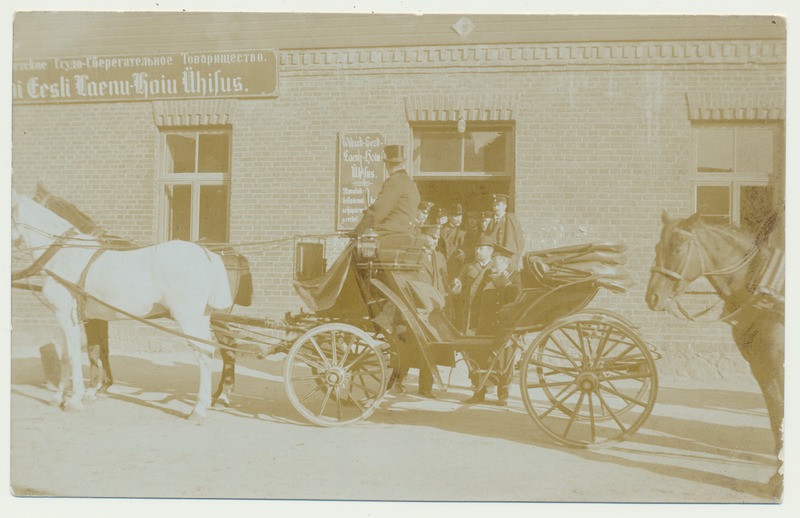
<point>678,278</point>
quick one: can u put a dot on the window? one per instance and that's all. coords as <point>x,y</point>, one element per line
<point>733,164</point>
<point>452,166</point>
<point>195,184</point>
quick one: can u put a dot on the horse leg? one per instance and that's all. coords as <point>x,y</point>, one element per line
<point>228,378</point>
<point>90,327</point>
<point>762,345</point>
<point>71,368</point>
<point>97,346</point>
<point>200,327</point>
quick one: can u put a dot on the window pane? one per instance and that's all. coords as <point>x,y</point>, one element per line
<point>485,151</point>
<point>213,153</point>
<point>181,154</point>
<point>180,211</point>
<point>754,150</point>
<point>714,150</point>
<point>214,213</point>
<point>754,203</point>
<point>714,202</point>
<point>440,152</point>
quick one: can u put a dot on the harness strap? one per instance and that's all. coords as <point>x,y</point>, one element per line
<point>82,282</point>
<point>43,259</point>
<point>80,291</point>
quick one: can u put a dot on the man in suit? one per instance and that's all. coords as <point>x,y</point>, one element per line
<point>503,287</point>
<point>394,212</point>
<point>505,228</point>
<point>483,220</point>
<point>469,286</point>
<point>453,236</point>
<point>428,290</point>
<point>423,212</point>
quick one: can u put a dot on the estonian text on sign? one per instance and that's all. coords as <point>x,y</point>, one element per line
<point>182,75</point>
<point>361,174</point>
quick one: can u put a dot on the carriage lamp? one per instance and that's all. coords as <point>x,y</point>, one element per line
<point>367,245</point>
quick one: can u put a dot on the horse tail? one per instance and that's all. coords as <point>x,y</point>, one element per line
<point>220,297</point>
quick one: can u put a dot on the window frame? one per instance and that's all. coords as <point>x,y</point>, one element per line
<point>507,127</point>
<point>195,180</point>
<point>734,180</point>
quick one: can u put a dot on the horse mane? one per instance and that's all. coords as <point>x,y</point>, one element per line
<point>696,222</point>
<point>72,214</point>
<point>67,211</point>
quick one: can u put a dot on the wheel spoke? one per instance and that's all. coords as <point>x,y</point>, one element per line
<point>325,401</point>
<point>316,389</point>
<point>305,378</point>
<point>617,358</point>
<point>334,347</point>
<point>623,396</point>
<point>556,369</point>
<point>601,347</point>
<point>319,351</point>
<point>611,412</point>
<point>310,362</point>
<point>644,376</point>
<point>366,390</point>
<point>339,407</point>
<point>563,352</point>
<point>559,402</point>
<point>358,358</point>
<point>575,413</point>
<point>355,401</point>
<point>347,351</point>
<point>543,385</point>
<point>578,347</point>
<point>581,338</point>
<point>591,417</point>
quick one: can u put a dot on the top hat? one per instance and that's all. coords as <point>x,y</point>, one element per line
<point>500,197</point>
<point>502,251</point>
<point>394,154</point>
<point>456,210</point>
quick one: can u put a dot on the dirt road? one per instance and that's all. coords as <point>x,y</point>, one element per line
<point>702,444</point>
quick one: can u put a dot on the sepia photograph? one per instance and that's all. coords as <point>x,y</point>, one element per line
<point>397,256</point>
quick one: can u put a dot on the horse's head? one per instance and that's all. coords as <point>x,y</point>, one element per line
<point>33,224</point>
<point>678,262</point>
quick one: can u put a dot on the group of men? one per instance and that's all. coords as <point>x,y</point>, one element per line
<point>471,265</point>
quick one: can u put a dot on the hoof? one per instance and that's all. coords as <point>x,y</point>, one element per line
<point>56,402</point>
<point>196,418</point>
<point>223,400</point>
<point>73,406</point>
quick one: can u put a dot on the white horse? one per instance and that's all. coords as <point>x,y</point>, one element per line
<point>178,277</point>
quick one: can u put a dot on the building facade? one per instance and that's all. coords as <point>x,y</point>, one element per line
<point>592,126</point>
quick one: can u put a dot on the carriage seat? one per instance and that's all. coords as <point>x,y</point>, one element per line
<point>600,262</point>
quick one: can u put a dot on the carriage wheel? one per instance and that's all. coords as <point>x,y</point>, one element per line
<point>335,374</point>
<point>588,379</point>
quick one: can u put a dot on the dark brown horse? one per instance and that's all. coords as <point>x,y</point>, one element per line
<point>749,279</point>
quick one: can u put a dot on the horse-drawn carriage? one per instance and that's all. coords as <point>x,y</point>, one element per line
<point>585,375</point>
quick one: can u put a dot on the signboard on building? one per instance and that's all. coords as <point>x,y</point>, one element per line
<point>361,174</point>
<point>183,75</point>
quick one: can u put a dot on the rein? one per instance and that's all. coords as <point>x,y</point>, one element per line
<point>678,278</point>
<point>80,291</point>
<point>43,259</point>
